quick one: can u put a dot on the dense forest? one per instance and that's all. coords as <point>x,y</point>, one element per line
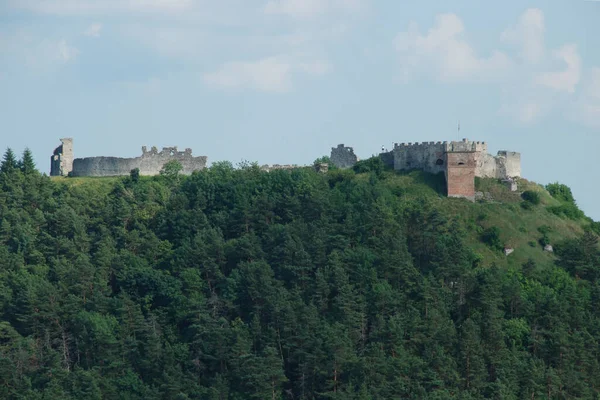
<point>235,283</point>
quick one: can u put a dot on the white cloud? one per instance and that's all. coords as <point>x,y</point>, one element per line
<point>22,49</point>
<point>65,52</point>
<point>93,30</point>
<point>268,75</point>
<point>271,74</point>
<point>445,49</point>
<point>526,104</point>
<point>311,8</point>
<point>528,34</point>
<point>567,79</point>
<point>586,107</point>
<point>170,41</point>
<point>316,67</point>
<point>86,7</point>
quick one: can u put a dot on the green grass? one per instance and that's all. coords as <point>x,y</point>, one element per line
<point>518,227</point>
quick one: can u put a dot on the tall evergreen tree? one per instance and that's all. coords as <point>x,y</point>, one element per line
<point>27,164</point>
<point>9,161</point>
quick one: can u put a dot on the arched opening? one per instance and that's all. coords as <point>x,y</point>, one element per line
<point>439,162</point>
<point>461,163</point>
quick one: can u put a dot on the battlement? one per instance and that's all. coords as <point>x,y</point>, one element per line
<point>416,144</point>
<point>166,151</point>
<point>464,145</point>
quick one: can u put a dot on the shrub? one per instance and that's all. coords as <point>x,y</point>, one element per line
<point>491,237</point>
<point>569,210</point>
<point>595,227</point>
<point>134,174</point>
<point>526,205</point>
<point>373,164</point>
<point>560,192</point>
<point>544,229</point>
<point>325,160</point>
<point>531,197</point>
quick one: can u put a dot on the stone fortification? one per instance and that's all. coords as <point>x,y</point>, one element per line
<point>272,167</point>
<point>61,162</point>
<point>460,162</point>
<point>343,156</point>
<point>430,157</point>
<point>460,172</point>
<point>149,163</point>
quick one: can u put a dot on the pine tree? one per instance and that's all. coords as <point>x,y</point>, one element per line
<point>9,162</point>
<point>27,164</point>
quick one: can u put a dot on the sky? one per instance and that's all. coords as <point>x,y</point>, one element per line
<point>283,81</point>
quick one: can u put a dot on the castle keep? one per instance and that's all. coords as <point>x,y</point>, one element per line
<point>149,163</point>
<point>460,162</point>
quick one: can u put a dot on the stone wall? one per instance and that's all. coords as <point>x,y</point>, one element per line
<point>272,167</point>
<point>149,163</point>
<point>343,157</point>
<point>61,162</point>
<point>512,163</point>
<point>429,157</point>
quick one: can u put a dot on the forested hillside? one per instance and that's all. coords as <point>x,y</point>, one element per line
<point>234,283</point>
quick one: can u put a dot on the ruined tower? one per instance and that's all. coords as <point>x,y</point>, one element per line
<point>61,162</point>
<point>343,156</point>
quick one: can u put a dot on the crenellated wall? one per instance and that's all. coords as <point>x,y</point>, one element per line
<point>429,156</point>
<point>149,163</point>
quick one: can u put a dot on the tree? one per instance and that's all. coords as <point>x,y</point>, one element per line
<point>560,192</point>
<point>9,162</point>
<point>171,169</point>
<point>134,174</point>
<point>27,164</point>
<point>531,197</point>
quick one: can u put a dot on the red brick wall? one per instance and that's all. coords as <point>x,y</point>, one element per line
<point>460,174</point>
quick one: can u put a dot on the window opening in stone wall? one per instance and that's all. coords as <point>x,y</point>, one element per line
<point>439,162</point>
<point>461,163</point>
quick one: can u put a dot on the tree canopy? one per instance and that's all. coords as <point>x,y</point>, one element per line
<point>244,284</point>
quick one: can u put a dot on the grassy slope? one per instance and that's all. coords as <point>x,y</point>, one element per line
<point>519,227</point>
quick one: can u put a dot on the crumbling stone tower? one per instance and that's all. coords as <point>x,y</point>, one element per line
<point>61,162</point>
<point>343,156</point>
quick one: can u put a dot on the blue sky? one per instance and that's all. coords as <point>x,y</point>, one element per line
<point>282,81</point>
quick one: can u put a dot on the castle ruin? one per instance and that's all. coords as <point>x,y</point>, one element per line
<point>460,162</point>
<point>149,163</point>
<point>61,162</point>
<point>343,156</point>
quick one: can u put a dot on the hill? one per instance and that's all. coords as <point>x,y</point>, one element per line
<point>235,283</point>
